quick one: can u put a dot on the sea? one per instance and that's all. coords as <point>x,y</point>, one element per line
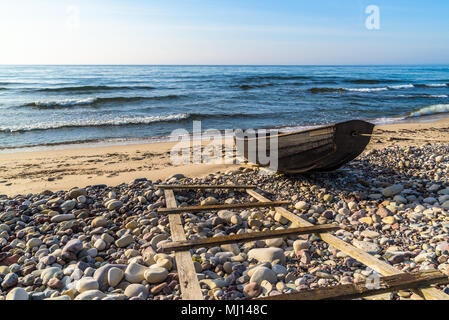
<point>60,105</point>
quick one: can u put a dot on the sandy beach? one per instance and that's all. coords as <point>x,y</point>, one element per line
<point>65,168</point>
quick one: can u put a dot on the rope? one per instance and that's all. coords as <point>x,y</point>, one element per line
<point>401,138</point>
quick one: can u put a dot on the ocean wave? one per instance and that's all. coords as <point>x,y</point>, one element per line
<point>92,88</point>
<point>365,89</point>
<point>429,110</point>
<point>118,121</point>
<point>432,85</point>
<point>93,101</point>
<point>130,120</point>
<point>402,86</point>
<point>329,90</point>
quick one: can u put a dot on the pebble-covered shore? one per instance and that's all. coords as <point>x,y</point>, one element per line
<point>102,242</point>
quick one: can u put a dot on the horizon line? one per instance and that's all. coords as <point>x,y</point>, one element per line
<point>229,65</point>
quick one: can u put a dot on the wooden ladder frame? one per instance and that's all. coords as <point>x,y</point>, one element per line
<point>392,280</point>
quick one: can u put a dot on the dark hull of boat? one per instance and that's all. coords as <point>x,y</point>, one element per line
<point>319,149</point>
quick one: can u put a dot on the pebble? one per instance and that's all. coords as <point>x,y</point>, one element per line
<point>156,274</point>
<point>115,275</point>
<point>136,290</point>
<point>267,255</point>
<point>124,241</point>
<point>262,273</point>
<point>17,294</point>
<point>87,284</point>
<point>134,273</point>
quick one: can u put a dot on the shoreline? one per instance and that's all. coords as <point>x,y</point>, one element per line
<point>95,143</point>
<point>62,169</point>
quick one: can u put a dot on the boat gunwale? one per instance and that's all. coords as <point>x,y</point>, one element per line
<point>293,133</point>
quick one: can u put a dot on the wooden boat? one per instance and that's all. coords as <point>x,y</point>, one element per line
<point>319,149</point>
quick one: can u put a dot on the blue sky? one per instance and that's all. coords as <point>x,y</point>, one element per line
<point>222,32</point>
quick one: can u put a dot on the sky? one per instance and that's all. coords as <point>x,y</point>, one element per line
<point>228,32</point>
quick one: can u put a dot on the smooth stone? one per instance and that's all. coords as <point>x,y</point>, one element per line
<point>113,204</point>
<point>87,284</point>
<point>263,273</point>
<point>233,247</point>
<point>275,242</point>
<point>136,290</point>
<point>17,294</point>
<point>100,244</point>
<point>68,205</point>
<point>74,245</point>
<point>115,275</point>
<point>156,274</point>
<point>34,242</point>
<point>124,241</point>
<point>134,273</point>
<point>267,255</point>
<point>99,222</point>
<point>10,280</point>
<point>209,201</point>
<point>63,217</point>
<point>302,205</point>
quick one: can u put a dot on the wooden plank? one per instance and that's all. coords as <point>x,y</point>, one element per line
<point>223,206</point>
<point>245,237</point>
<point>387,284</point>
<point>370,261</point>
<point>203,186</point>
<point>188,280</point>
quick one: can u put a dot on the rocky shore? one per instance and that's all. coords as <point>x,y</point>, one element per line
<point>101,242</point>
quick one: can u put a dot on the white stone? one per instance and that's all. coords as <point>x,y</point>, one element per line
<point>156,274</point>
<point>86,284</point>
<point>17,294</point>
<point>134,273</point>
<point>267,255</point>
<point>115,275</point>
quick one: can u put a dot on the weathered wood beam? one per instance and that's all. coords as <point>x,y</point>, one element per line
<point>245,237</point>
<point>223,206</point>
<point>387,284</point>
<point>188,280</point>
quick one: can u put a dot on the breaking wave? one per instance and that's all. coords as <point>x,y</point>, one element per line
<point>93,101</point>
<point>429,110</point>
<point>128,120</point>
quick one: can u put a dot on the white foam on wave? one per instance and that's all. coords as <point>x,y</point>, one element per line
<point>366,89</point>
<point>65,102</point>
<point>429,110</point>
<point>118,121</point>
<point>436,85</point>
<point>402,86</point>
